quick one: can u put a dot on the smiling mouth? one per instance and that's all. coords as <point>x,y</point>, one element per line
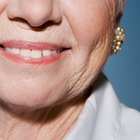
<point>32,52</point>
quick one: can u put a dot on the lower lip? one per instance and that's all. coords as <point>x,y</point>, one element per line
<point>26,60</point>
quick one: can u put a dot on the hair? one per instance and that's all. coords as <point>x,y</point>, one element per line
<point>119,5</point>
<point>115,9</point>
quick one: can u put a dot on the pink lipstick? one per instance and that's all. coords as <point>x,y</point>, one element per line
<point>32,52</point>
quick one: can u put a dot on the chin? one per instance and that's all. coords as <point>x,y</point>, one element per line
<point>29,97</point>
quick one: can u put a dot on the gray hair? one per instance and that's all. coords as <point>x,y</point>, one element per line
<point>119,6</point>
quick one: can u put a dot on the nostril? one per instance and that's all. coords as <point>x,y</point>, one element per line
<point>37,15</point>
<point>22,23</point>
<point>20,20</point>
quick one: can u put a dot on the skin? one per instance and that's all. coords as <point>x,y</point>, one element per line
<point>85,26</point>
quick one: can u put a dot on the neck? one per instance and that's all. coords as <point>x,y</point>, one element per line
<point>51,123</point>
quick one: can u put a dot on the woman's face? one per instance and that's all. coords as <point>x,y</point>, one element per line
<point>34,69</point>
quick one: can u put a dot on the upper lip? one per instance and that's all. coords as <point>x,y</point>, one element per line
<point>32,45</point>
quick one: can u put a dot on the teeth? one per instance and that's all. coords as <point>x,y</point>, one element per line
<point>31,53</point>
<point>26,53</point>
<point>46,52</point>
<point>36,54</point>
<point>13,50</point>
<point>8,49</point>
<point>54,51</point>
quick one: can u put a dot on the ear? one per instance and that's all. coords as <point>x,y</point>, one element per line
<point>118,17</point>
<point>120,13</point>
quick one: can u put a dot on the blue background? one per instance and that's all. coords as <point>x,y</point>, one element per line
<point>123,69</point>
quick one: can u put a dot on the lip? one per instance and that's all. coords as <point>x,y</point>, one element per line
<point>33,46</point>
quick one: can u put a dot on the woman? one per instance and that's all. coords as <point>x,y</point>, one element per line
<point>51,56</point>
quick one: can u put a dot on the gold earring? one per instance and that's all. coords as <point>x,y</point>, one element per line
<point>119,37</point>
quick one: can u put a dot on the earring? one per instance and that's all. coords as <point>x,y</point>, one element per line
<point>119,37</point>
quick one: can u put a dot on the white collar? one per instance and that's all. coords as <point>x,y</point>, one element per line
<point>100,117</point>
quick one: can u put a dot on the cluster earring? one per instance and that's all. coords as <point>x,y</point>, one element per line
<point>119,37</point>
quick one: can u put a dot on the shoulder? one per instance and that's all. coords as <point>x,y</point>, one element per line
<point>130,124</point>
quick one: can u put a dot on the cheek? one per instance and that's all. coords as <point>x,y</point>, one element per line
<point>3,4</point>
<point>87,20</point>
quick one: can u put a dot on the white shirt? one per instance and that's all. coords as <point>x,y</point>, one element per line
<point>105,118</point>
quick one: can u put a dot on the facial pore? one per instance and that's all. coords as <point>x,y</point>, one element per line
<point>84,26</point>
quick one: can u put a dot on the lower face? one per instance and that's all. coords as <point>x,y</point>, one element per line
<point>40,81</point>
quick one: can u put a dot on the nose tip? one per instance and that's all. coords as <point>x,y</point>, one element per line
<point>35,12</point>
<point>37,16</point>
